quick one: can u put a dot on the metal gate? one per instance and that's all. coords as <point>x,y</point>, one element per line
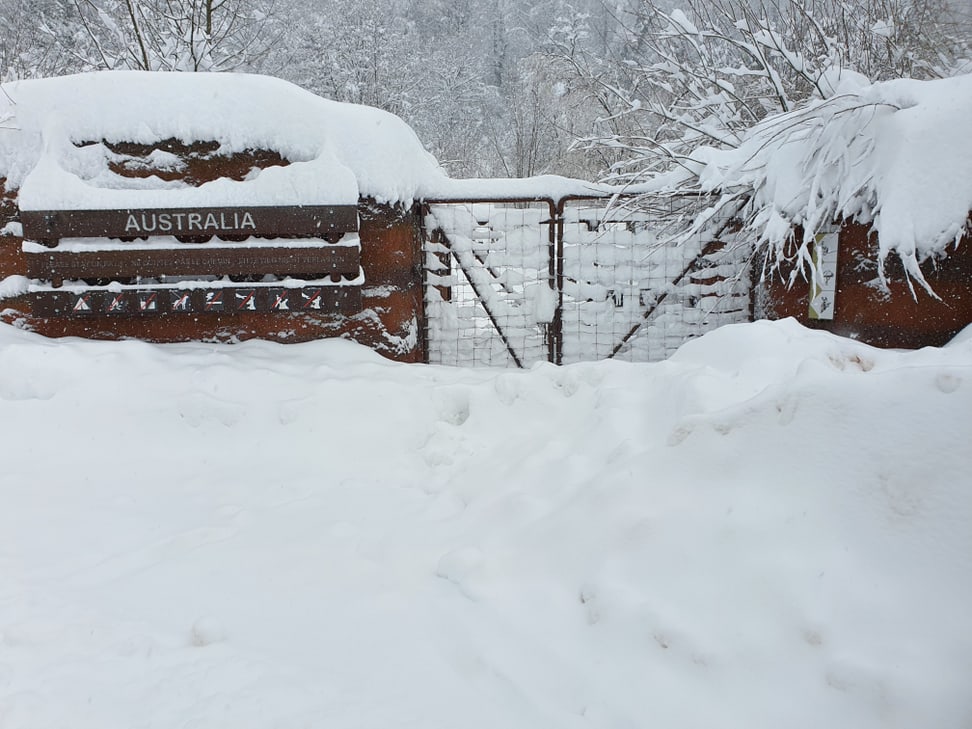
<point>518,281</point>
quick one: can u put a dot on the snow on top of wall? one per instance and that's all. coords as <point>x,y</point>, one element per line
<point>897,154</point>
<point>339,151</point>
<point>552,187</point>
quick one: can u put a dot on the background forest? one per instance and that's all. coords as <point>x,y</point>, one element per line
<point>587,88</point>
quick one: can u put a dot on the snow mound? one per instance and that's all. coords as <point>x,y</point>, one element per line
<point>770,529</point>
<point>837,80</point>
<point>339,151</point>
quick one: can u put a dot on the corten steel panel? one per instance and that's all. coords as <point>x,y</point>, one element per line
<point>214,327</point>
<point>391,257</point>
<point>228,301</point>
<point>308,220</point>
<point>198,260</point>
<point>13,261</point>
<point>865,311</point>
<point>389,317</point>
<point>200,162</point>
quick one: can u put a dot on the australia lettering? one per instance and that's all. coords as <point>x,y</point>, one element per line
<point>213,222</point>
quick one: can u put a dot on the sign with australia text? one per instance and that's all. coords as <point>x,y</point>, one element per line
<point>307,220</point>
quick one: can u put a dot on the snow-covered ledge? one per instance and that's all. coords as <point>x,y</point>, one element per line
<point>51,151</point>
<point>895,154</point>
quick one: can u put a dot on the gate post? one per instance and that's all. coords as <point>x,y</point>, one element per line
<point>393,296</point>
<point>555,271</point>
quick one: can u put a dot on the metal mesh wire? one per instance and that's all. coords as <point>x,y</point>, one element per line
<point>636,288</point>
<point>512,284</point>
<point>489,293</point>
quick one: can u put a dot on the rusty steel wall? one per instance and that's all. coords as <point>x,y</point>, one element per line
<point>387,319</point>
<point>369,281</point>
<point>895,312</point>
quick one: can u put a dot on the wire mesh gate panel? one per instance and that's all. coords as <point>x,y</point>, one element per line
<point>513,283</point>
<point>635,288</point>
<point>489,283</point>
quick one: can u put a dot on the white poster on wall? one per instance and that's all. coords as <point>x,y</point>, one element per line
<point>823,284</point>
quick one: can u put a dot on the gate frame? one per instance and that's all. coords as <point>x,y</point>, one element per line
<point>555,261</point>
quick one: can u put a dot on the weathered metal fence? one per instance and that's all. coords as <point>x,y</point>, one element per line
<point>514,282</point>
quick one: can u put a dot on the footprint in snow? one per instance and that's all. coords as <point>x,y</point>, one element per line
<point>677,436</point>
<point>206,631</point>
<point>200,409</point>
<point>15,391</point>
<point>787,408</point>
<point>452,405</point>
<point>947,383</point>
<point>458,567</point>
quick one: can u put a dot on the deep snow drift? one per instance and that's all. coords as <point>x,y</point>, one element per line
<point>772,529</point>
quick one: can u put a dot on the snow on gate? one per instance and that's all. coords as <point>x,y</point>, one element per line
<point>515,282</point>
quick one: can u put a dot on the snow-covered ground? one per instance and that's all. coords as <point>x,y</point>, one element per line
<point>772,529</point>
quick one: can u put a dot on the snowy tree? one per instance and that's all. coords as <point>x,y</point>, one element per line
<point>439,64</point>
<point>704,74</point>
<point>33,34</point>
<point>173,35</point>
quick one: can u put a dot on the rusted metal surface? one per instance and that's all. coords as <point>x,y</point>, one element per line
<point>154,302</point>
<point>198,162</point>
<point>392,320</point>
<point>897,315</point>
<point>13,261</point>
<point>386,314</point>
<point>310,220</point>
<point>193,260</point>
